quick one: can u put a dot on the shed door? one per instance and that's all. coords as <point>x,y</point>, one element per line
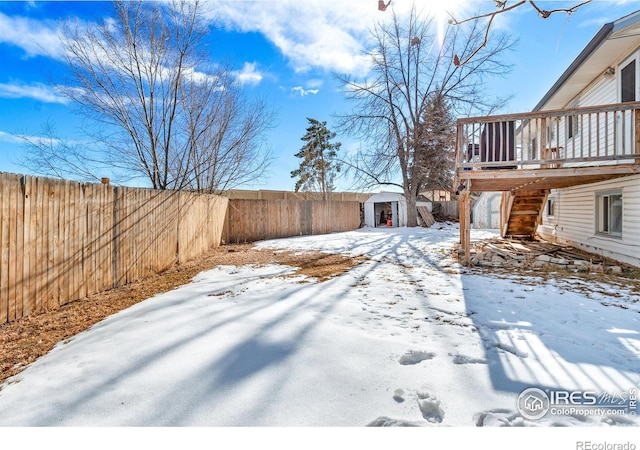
<point>394,214</point>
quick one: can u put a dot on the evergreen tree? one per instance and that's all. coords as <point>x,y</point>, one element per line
<point>318,168</point>
<point>435,147</point>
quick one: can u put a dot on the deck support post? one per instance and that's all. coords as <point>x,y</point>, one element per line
<point>465,223</point>
<point>460,216</point>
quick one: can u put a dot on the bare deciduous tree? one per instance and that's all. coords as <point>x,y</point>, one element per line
<point>54,157</point>
<point>501,8</point>
<point>162,110</point>
<point>411,79</point>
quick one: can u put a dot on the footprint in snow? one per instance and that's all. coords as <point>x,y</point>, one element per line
<point>398,395</point>
<point>388,422</point>
<point>414,357</point>
<point>220,294</point>
<point>430,407</point>
<point>462,359</point>
<point>499,418</point>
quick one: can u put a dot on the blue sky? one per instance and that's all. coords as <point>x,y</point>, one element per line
<point>285,50</point>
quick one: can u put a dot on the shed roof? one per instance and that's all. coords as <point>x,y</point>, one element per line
<point>386,197</point>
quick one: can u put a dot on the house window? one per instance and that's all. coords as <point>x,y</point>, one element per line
<point>573,122</point>
<point>609,213</point>
<point>628,82</point>
<point>551,131</point>
<point>551,204</point>
<point>572,126</point>
<point>533,149</point>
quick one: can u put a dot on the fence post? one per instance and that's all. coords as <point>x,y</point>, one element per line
<point>115,239</point>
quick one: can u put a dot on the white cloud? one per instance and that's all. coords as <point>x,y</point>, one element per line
<point>36,91</point>
<point>23,138</point>
<point>35,37</point>
<point>325,34</point>
<point>315,83</point>
<point>302,91</point>
<point>248,74</point>
<point>8,137</point>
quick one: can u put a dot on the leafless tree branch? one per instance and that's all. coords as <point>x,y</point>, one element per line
<point>160,108</point>
<point>404,109</point>
<point>501,9</point>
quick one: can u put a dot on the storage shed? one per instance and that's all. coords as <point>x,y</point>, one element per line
<point>385,206</point>
<point>486,211</point>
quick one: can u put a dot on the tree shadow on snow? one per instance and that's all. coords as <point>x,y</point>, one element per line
<point>536,336</point>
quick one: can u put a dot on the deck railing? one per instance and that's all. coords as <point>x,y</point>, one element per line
<point>576,137</point>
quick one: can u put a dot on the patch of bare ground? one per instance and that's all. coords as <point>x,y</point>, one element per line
<point>591,279</point>
<point>25,340</point>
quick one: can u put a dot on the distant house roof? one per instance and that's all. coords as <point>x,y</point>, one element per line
<point>614,41</point>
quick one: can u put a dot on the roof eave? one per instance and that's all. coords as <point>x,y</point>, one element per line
<point>595,42</point>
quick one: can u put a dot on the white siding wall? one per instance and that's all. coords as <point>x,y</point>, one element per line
<point>600,92</point>
<point>574,220</point>
<point>587,142</point>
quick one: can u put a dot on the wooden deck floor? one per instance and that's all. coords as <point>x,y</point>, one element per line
<point>521,181</point>
<point>556,178</point>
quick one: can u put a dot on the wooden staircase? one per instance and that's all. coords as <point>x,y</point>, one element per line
<point>521,212</point>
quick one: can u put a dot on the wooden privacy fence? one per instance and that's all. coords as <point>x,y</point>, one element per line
<point>448,210</point>
<point>253,220</point>
<point>62,240</point>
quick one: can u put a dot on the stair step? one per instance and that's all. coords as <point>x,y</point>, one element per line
<point>524,213</point>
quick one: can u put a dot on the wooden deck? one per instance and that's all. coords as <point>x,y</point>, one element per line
<point>526,155</point>
<point>517,179</point>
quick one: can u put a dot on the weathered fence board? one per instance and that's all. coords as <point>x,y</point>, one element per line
<point>446,210</point>
<point>62,241</point>
<point>253,220</point>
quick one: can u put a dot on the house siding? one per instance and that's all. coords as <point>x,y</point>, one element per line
<point>584,143</point>
<point>574,220</point>
<point>601,92</point>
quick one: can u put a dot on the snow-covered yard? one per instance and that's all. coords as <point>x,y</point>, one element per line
<point>408,337</point>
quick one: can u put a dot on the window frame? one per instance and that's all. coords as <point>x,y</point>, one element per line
<point>551,134</point>
<point>632,59</point>
<point>572,123</point>
<point>533,149</point>
<point>604,219</point>
<point>550,207</point>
